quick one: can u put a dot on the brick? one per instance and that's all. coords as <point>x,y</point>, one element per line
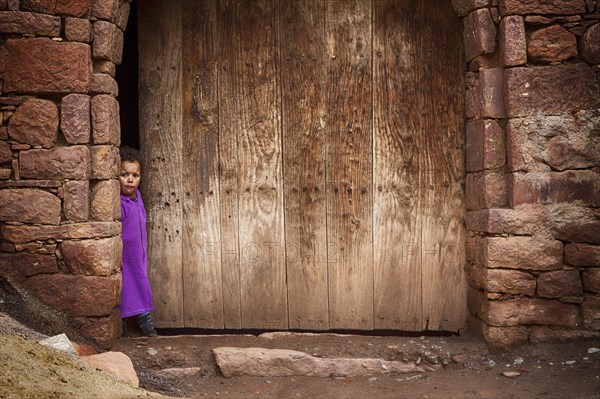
<point>29,205</point>
<point>582,255</point>
<point>40,65</point>
<point>486,191</point>
<point>76,200</point>
<point>524,253</point>
<point>105,120</point>
<point>524,311</point>
<point>21,234</point>
<point>590,44</point>
<point>463,7</point>
<point>105,9</point>
<point>75,122</point>
<point>552,44</point>
<point>102,83</point>
<point>549,90</point>
<point>106,67</point>
<point>500,339</point>
<point>573,223</point>
<point>56,163</point>
<point>5,152</point>
<point>513,44</point>
<point>29,23</point>
<point>106,202</point>
<point>581,186</point>
<point>544,334</point>
<point>561,7</point>
<point>108,42</point>
<point>73,8</point>
<point>103,330</point>
<point>591,279</point>
<point>105,162</point>
<point>39,6</point>
<point>77,295</point>
<point>525,220</point>
<point>27,264</point>
<point>96,257</point>
<point>35,123</point>
<point>509,282</point>
<point>559,283</point>
<point>479,33</point>
<point>78,30</point>
<point>484,95</point>
<point>590,310</point>
<point>561,142</point>
<point>485,145</point>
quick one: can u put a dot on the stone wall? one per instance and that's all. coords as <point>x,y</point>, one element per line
<point>59,139</point>
<point>533,157</point>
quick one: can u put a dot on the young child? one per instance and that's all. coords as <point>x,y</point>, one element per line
<point>136,294</point>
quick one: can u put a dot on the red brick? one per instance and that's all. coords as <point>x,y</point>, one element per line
<point>582,255</point>
<point>29,23</point>
<point>40,6</point>
<point>103,330</point>
<point>484,95</point>
<point>108,42</point>
<point>56,164</point>
<point>76,200</point>
<point>40,65</point>
<point>549,90</point>
<point>509,282</point>
<point>591,279</point>
<point>561,7</point>
<point>559,283</point>
<point>29,205</point>
<point>95,257</point>
<point>106,203</point>
<point>102,83</point>
<point>122,15</point>
<point>485,145</point>
<point>479,33</point>
<point>24,233</point>
<point>73,8</point>
<point>75,121</point>
<point>35,123</point>
<point>104,9</point>
<point>105,162</point>
<point>513,44</point>
<point>78,30</point>
<point>525,220</point>
<point>552,44</point>
<point>555,187</point>
<point>462,7</point>
<point>486,191</point>
<point>105,120</point>
<point>572,223</point>
<point>591,313</point>
<point>106,67</point>
<point>27,264</point>
<point>525,253</point>
<point>6,154</point>
<point>524,311</point>
<point>590,44</point>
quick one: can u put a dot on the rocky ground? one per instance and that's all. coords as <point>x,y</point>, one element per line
<point>184,365</point>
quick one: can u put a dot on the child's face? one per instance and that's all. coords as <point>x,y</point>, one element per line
<point>129,178</point>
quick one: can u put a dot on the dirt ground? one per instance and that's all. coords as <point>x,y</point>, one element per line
<point>183,365</point>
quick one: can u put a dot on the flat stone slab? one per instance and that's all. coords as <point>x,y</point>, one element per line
<point>261,362</point>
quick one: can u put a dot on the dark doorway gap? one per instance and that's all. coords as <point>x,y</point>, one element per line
<point>127,79</point>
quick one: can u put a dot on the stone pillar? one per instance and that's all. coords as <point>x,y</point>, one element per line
<point>533,187</point>
<point>59,139</point>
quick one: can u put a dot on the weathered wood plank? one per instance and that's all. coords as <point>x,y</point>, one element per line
<point>443,231</point>
<point>303,77</point>
<point>228,166</point>
<point>349,164</point>
<point>203,295</point>
<point>254,117</point>
<point>159,25</point>
<point>398,101</point>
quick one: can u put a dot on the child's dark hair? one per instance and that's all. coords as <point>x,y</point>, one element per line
<point>129,154</point>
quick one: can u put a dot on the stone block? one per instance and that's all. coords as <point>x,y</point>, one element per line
<point>6,154</point>
<point>77,8</point>
<point>29,23</point>
<point>545,334</point>
<point>513,44</point>
<point>77,295</point>
<point>102,83</point>
<point>526,253</point>
<point>591,280</point>
<point>590,44</point>
<point>559,283</point>
<point>525,311</point>
<point>479,33</point>
<point>486,191</point>
<point>95,257</point>
<point>525,220</point>
<point>106,67</point>
<point>560,7</point>
<point>106,202</point>
<point>549,90</point>
<point>29,205</point>
<point>463,7</point>
<point>105,162</point>
<point>108,42</point>
<point>78,30</point>
<point>582,186</point>
<point>484,95</point>
<point>103,330</point>
<point>501,339</point>
<point>76,200</point>
<point>105,9</point>
<point>590,310</point>
<point>56,163</point>
<point>35,123</point>
<point>485,145</point>
<point>573,223</point>
<point>561,142</point>
<point>105,120</point>
<point>582,255</point>
<point>40,65</point>
<point>24,233</point>
<point>552,44</point>
<point>27,264</point>
<point>39,6</point>
<point>75,121</point>
<point>509,282</point>
<point>122,15</point>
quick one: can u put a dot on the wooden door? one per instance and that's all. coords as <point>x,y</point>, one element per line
<point>303,163</point>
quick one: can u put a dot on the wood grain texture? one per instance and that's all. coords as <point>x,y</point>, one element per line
<point>398,141</point>
<point>303,78</point>
<point>161,146</point>
<point>349,164</point>
<point>203,294</point>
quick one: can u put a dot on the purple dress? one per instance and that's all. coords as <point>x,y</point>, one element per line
<point>136,294</point>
